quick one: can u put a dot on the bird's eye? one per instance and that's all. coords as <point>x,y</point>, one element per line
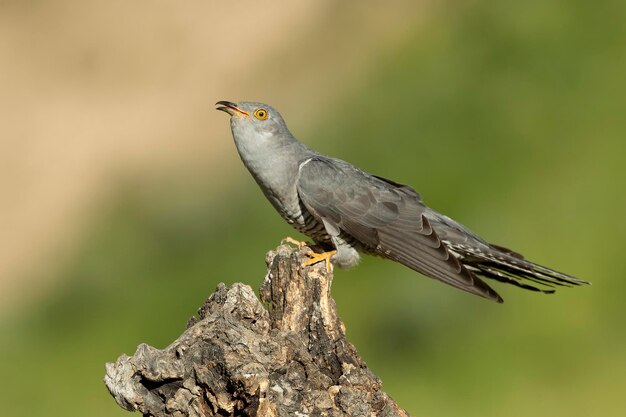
<point>260,114</point>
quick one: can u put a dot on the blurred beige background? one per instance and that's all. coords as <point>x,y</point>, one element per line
<point>123,202</point>
<point>93,92</point>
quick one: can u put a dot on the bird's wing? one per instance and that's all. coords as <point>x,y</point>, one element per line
<point>496,262</point>
<point>385,217</point>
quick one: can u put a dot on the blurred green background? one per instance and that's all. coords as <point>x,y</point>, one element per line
<point>507,116</point>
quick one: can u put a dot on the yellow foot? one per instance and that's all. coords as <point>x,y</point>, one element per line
<point>318,257</point>
<point>294,242</point>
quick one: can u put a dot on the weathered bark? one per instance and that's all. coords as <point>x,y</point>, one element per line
<point>242,359</point>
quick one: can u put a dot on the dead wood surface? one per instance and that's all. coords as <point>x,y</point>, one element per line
<point>283,355</point>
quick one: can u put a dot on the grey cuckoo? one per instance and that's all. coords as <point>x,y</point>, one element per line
<point>347,211</point>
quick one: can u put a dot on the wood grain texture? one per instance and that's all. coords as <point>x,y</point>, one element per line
<point>283,355</point>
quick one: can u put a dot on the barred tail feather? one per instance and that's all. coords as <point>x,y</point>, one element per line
<point>506,266</point>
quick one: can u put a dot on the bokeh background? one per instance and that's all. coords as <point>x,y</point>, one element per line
<point>123,201</point>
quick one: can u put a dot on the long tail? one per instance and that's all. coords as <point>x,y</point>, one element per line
<point>504,265</point>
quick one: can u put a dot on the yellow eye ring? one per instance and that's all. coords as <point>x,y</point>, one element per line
<point>260,114</point>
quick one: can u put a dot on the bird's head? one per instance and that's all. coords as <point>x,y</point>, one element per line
<point>253,120</point>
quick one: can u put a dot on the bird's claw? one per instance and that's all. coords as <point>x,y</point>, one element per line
<point>294,242</point>
<point>319,257</point>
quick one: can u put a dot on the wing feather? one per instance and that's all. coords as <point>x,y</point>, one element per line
<point>385,217</point>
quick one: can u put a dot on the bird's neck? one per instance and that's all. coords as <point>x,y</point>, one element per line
<point>274,162</point>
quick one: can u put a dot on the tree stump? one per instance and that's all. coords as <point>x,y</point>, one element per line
<point>286,355</point>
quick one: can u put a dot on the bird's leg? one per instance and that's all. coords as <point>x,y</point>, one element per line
<point>318,257</point>
<point>314,257</point>
<point>294,242</point>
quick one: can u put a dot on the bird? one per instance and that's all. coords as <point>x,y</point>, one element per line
<point>347,211</point>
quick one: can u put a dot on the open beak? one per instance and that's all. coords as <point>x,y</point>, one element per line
<point>230,108</point>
